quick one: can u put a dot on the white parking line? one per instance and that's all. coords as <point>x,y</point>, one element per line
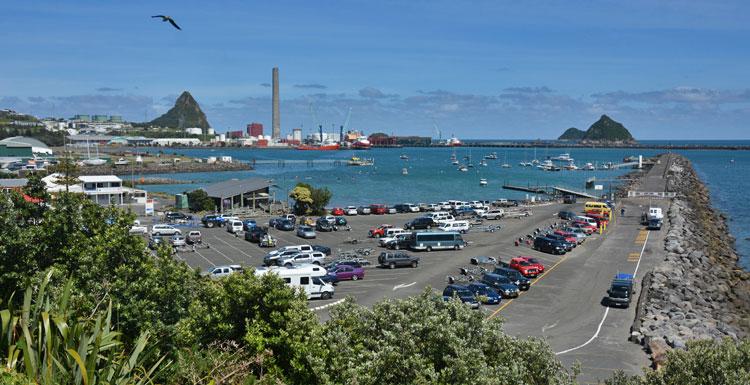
<point>228,244</point>
<point>206,259</point>
<point>328,305</point>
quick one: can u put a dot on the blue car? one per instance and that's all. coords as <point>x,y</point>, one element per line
<point>248,224</point>
<point>462,293</point>
<point>484,293</point>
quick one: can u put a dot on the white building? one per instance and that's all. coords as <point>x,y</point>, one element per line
<point>194,131</point>
<point>102,189</point>
<point>176,141</point>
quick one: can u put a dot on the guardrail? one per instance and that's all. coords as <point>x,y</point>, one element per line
<point>651,194</point>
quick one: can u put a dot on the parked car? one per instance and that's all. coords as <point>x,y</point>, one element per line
<point>484,293</point>
<point>137,228</point>
<point>323,249</point>
<point>177,240</point>
<point>285,225</point>
<point>340,221</point>
<point>337,211</point>
<point>577,231</point>
<point>515,276</point>
<point>235,227</point>
<point>255,234</point>
<point>493,214</point>
<point>533,262</point>
<point>566,215</point>
<point>323,225</point>
<point>290,217</point>
<point>223,271</point>
<point>390,210</point>
<point>164,230</point>
<point>401,241</point>
<point>569,199</point>
<point>455,226</point>
<point>350,210</point>
<point>462,293</point>
<point>397,259</point>
<point>314,257</point>
<point>176,217</point>
<point>377,232</point>
<point>583,226</point>
<point>391,234</point>
<point>194,237</point>
<point>213,220</point>
<point>563,240</point>
<point>378,209</point>
<point>433,207</point>
<point>501,284</point>
<point>155,242</point>
<point>547,245</point>
<point>363,210</point>
<point>345,273</point>
<point>577,238</point>
<point>464,211</point>
<point>402,208</point>
<point>421,223</point>
<point>248,224</point>
<point>524,267</point>
<point>654,224</point>
<point>483,260</point>
<point>272,259</point>
<point>306,232</point>
<point>347,262</point>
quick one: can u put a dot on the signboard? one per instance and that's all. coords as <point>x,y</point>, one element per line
<point>598,187</point>
<point>149,207</point>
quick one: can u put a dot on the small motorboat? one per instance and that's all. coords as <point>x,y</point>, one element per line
<point>455,162</point>
<point>588,167</point>
<point>483,182</point>
<point>505,165</point>
<point>483,163</point>
<point>491,156</point>
<point>463,168</point>
<point>122,162</point>
<point>404,156</point>
<point>404,171</point>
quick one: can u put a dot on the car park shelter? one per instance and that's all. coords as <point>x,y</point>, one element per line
<point>238,194</point>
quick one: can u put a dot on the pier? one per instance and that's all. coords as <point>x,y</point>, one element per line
<point>531,189</point>
<point>307,162</point>
<point>567,191</point>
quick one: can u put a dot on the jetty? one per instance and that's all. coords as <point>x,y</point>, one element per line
<point>531,189</point>
<point>567,191</point>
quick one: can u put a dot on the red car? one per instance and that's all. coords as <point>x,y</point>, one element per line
<point>337,211</point>
<point>524,267</point>
<point>568,236</point>
<point>377,232</point>
<point>378,209</point>
<point>590,229</point>
<point>533,262</point>
<point>600,220</point>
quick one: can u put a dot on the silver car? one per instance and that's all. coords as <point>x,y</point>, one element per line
<point>178,240</point>
<point>306,232</point>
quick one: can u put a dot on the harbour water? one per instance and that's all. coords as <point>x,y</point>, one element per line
<point>431,177</point>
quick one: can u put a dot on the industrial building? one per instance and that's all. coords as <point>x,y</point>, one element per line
<point>255,129</point>
<point>23,147</point>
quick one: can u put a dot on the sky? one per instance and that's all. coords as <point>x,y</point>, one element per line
<point>474,69</point>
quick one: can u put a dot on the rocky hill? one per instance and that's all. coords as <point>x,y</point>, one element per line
<point>185,113</point>
<point>603,130</point>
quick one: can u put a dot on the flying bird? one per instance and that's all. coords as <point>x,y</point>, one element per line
<point>169,19</point>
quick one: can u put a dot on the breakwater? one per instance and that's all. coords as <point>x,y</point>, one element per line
<point>162,168</point>
<point>698,291</point>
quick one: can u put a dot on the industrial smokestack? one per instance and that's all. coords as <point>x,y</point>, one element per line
<point>275,118</point>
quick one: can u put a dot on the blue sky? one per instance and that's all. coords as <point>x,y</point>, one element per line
<point>476,69</point>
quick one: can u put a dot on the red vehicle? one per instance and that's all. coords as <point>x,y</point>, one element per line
<point>524,267</point>
<point>568,236</point>
<point>589,228</point>
<point>600,220</point>
<point>377,232</point>
<point>337,211</point>
<point>532,262</point>
<point>378,209</point>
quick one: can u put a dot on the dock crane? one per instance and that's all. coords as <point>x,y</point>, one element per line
<point>315,121</point>
<point>345,126</point>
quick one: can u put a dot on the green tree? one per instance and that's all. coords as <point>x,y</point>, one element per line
<point>198,200</point>
<point>709,362</point>
<point>426,340</point>
<point>36,188</point>
<point>302,200</point>
<point>69,171</point>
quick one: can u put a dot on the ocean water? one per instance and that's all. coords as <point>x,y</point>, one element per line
<point>431,176</point>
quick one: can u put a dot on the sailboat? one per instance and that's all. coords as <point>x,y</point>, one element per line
<point>483,182</point>
<point>483,163</point>
<point>505,162</point>
<point>404,171</point>
<point>93,161</point>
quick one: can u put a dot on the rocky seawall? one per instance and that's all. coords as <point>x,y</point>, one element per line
<point>157,168</point>
<point>698,291</point>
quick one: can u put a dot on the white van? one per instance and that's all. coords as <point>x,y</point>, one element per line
<point>437,215</point>
<point>234,226</point>
<point>305,248</point>
<point>305,277</point>
<point>390,234</point>
<point>655,213</point>
<point>445,218</point>
<point>457,226</point>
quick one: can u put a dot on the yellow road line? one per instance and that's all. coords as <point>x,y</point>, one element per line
<point>633,257</point>
<point>532,284</point>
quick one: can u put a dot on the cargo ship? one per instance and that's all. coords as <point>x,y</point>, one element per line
<point>362,143</point>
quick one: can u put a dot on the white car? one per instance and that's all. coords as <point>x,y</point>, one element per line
<point>457,226</point>
<point>223,271</point>
<point>315,257</point>
<point>164,230</point>
<point>445,205</point>
<point>433,207</point>
<point>493,214</point>
<point>137,228</point>
<point>350,210</point>
<point>412,207</point>
<point>234,226</point>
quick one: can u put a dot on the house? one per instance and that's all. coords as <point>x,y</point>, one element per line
<point>102,189</point>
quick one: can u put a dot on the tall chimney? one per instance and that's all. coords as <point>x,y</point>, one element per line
<point>275,123</point>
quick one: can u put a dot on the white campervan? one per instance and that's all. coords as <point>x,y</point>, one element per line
<point>457,226</point>
<point>655,213</point>
<point>308,278</point>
